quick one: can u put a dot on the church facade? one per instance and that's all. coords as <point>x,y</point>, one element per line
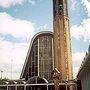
<point>40,58</point>
<point>51,50</point>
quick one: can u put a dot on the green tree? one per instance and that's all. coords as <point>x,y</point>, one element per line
<point>2,81</point>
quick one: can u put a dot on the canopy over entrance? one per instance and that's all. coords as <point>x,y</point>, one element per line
<point>36,80</point>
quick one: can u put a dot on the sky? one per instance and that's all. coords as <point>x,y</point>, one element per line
<point>21,19</point>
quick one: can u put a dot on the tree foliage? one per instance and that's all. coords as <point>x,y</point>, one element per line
<point>3,81</point>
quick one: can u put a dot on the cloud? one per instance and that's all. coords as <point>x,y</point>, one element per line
<point>87,5</point>
<point>8,3</point>
<point>73,4</point>
<point>44,27</point>
<point>77,32</point>
<point>77,59</point>
<point>12,54</point>
<point>82,31</point>
<point>32,2</point>
<point>15,27</point>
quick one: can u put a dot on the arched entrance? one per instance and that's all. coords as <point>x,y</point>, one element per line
<point>37,80</point>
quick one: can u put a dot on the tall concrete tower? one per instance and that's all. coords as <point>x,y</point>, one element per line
<point>62,45</point>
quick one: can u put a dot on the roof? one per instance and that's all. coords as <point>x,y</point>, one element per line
<point>85,66</point>
<point>18,81</point>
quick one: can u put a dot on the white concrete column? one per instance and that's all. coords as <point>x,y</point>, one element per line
<point>24,87</point>
<point>15,87</point>
<point>7,87</point>
<point>38,57</point>
<point>47,87</point>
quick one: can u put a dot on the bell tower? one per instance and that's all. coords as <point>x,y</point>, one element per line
<point>62,42</point>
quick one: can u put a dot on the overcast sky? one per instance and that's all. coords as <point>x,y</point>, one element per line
<point>21,19</point>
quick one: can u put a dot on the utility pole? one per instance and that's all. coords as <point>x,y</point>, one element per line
<point>11,68</point>
<point>1,74</point>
